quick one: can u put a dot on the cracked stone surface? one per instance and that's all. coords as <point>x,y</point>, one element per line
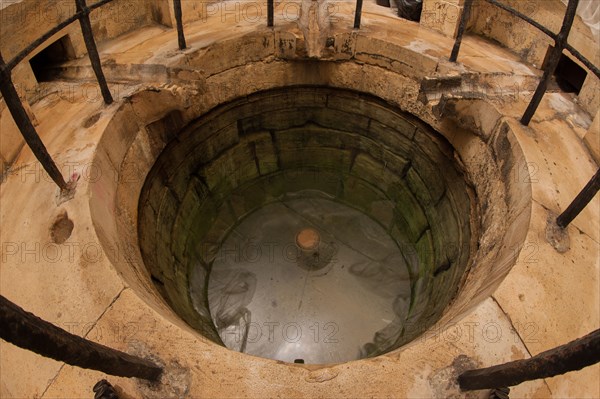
<point>94,290</point>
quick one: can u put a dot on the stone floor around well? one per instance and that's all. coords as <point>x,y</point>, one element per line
<point>548,298</point>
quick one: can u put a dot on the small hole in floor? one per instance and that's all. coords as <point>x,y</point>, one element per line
<point>91,121</point>
<point>61,228</point>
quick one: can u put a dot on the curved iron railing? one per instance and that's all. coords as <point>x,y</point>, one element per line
<point>561,44</point>
<point>560,40</point>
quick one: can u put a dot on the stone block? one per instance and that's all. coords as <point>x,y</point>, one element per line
<point>398,139</point>
<point>285,45</point>
<point>316,158</point>
<point>230,170</point>
<point>419,188</point>
<point>408,211</point>
<point>251,47</point>
<point>361,194</point>
<point>442,15</point>
<point>385,54</point>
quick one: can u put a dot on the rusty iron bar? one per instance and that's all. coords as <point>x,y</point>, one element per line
<point>524,17</point>
<point>270,13</point>
<point>552,63</point>
<point>28,331</point>
<point>572,356</point>
<point>462,26</point>
<point>179,21</point>
<point>40,40</point>
<point>90,44</point>
<point>583,198</point>
<point>19,115</point>
<point>358,14</point>
<point>593,68</point>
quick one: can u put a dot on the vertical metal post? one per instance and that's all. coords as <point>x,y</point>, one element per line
<point>13,102</point>
<point>583,198</point>
<point>90,44</point>
<point>357,14</point>
<point>179,21</point>
<point>270,12</point>
<point>462,26</point>
<point>552,63</point>
<point>28,331</point>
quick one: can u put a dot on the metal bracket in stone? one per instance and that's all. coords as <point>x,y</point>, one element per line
<point>557,236</point>
<point>68,193</point>
<point>499,393</point>
<point>104,390</point>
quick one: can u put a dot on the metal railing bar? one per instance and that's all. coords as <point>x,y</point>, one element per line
<point>40,40</point>
<point>552,63</point>
<point>90,44</point>
<point>179,22</point>
<point>358,14</point>
<point>28,331</point>
<point>594,69</point>
<point>10,65</point>
<point>270,13</point>
<point>32,138</point>
<point>523,17</point>
<point>462,26</point>
<point>575,355</point>
<point>583,198</point>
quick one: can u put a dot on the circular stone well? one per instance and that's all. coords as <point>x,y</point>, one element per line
<point>308,224</point>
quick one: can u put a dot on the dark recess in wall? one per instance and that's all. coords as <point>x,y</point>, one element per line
<point>55,54</point>
<point>568,74</point>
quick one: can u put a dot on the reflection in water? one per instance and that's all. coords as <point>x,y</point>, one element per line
<point>230,294</point>
<point>392,283</point>
<point>340,300</point>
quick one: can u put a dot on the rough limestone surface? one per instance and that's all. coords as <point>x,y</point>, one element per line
<point>519,297</point>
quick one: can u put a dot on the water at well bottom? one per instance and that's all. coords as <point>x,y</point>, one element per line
<point>323,301</point>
